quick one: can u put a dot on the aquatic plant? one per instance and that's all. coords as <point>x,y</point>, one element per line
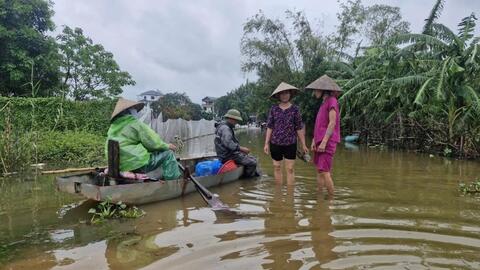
<point>109,210</point>
<point>469,188</point>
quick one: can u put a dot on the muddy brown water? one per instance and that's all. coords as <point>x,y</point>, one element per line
<point>392,210</point>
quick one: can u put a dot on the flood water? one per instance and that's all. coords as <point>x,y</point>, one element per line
<point>392,210</point>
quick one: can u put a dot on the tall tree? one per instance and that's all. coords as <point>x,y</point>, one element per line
<point>88,70</point>
<point>382,22</point>
<point>351,18</point>
<point>177,105</point>
<point>27,54</point>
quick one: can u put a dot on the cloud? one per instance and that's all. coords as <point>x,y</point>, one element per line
<point>194,46</point>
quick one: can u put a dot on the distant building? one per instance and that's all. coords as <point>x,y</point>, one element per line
<point>150,96</point>
<point>208,104</point>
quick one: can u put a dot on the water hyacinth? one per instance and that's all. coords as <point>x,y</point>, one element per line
<point>470,188</point>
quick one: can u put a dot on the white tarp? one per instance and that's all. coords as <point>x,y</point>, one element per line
<point>194,138</point>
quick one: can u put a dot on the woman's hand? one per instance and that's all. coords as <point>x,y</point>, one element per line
<point>305,148</point>
<point>266,149</point>
<point>322,146</point>
<point>313,147</point>
<point>172,147</point>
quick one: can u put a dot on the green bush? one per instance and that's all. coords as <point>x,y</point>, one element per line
<point>77,147</point>
<point>57,114</point>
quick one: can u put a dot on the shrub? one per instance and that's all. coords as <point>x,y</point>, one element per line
<point>79,147</point>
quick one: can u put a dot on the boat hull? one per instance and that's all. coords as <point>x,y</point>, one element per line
<point>139,193</point>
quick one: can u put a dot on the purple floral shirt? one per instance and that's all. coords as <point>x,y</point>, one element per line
<point>284,124</point>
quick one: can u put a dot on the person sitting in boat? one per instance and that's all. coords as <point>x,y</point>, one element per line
<point>228,147</point>
<point>141,148</point>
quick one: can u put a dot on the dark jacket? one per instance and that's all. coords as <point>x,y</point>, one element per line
<point>226,144</point>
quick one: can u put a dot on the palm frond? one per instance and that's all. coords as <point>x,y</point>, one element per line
<point>412,80</point>
<point>444,33</point>
<point>340,67</point>
<point>466,27</point>
<point>428,40</point>
<point>360,86</point>
<point>408,50</point>
<point>439,90</point>
<point>434,15</point>
<point>472,54</point>
<point>473,97</point>
<point>420,97</point>
<point>475,41</point>
<point>364,64</point>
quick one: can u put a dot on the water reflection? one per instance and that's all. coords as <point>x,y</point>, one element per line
<point>281,221</point>
<point>392,210</point>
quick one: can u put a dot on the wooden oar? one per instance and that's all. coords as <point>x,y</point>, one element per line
<point>211,199</point>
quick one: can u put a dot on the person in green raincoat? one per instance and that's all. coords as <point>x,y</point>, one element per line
<point>141,148</point>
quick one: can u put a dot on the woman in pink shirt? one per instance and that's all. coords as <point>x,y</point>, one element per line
<point>327,130</point>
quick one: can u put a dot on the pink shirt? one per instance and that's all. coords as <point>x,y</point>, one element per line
<point>321,123</point>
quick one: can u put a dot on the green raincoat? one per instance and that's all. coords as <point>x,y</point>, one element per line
<point>141,147</point>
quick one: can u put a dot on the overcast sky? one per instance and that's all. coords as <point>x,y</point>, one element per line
<point>193,46</point>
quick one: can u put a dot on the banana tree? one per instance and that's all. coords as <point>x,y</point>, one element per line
<point>450,64</point>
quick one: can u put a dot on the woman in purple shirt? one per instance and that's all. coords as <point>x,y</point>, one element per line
<point>284,125</point>
<point>327,130</point>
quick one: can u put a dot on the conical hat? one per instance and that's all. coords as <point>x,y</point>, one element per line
<point>283,86</point>
<point>324,83</point>
<point>124,104</point>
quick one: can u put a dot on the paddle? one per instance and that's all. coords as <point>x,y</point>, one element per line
<point>211,199</point>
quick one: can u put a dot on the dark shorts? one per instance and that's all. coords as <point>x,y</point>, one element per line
<point>279,152</point>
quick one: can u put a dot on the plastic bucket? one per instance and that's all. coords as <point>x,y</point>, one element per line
<point>228,166</point>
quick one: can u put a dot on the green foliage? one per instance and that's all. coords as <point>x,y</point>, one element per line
<point>58,114</point>
<point>88,71</point>
<point>51,129</point>
<point>447,152</point>
<point>15,145</point>
<point>351,17</point>
<point>20,149</point>
<point>24,41</point>
<point>422,86</point>
<point>70,66</point>
<point>208,116</point>
<point>245,99</point>
<point>177,105</point>
<point>108,210</point>
<point>470,188</point>
<point>80,147</point>
<point>434,15</point>
<point>383,22</point>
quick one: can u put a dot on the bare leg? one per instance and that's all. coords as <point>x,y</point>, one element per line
<point>320,181</point>
<point>329,184</point>
<point>277,171</point>
<point>289,166</point>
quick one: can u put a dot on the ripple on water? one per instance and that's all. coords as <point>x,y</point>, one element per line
<point>392,210</point>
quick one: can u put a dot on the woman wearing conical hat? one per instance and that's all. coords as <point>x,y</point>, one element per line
<point>327,130</point>
<point>284,126</point>
<point>141,148</point>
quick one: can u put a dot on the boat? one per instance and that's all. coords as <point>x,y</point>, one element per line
<point>93,186</point>
<point>351,138</point>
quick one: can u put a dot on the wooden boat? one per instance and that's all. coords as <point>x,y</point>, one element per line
<point>352,138</point>
<point>90,186</point>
